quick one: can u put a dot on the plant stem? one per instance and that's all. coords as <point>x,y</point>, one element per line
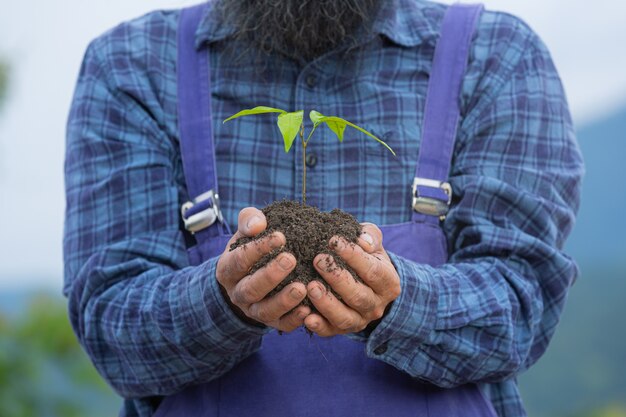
<point>310,134</point>
<point>304,143</point>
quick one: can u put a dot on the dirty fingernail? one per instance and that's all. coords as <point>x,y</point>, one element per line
<point>338,245</point>
<point>295,294</point>
<point>285,263</point>
<point>316,293</point>
<point>368,238</point>
<point>275,241</point>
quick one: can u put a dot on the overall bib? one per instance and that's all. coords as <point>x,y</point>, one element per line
<point>294,375</point>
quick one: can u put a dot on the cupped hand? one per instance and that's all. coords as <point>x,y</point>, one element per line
<point>361,302</point>
<point>246,292</point>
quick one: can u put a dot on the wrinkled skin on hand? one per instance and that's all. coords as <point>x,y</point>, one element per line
<point>361,302</point>
<point>246,293</point>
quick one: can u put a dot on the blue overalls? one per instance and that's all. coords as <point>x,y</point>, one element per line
<point>294,375</point>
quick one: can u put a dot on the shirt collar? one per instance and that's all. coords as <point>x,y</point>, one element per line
<point>211,28</point>
<point>404,22</point>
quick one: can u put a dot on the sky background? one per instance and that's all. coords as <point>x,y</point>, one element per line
<point>44,42</point>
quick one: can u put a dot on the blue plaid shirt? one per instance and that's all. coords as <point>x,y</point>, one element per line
<point>152,324</point>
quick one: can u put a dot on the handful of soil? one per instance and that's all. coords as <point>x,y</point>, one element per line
<point>307,231</point>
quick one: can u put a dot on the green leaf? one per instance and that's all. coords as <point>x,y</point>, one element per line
<point>316,117</point>
<point>256,110</point>
<point>338,125</point>
<point>289,125</point>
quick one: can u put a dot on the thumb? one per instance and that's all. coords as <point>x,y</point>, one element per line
<point>251,222</point>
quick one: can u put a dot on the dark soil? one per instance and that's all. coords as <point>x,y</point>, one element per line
<point>307,231</point>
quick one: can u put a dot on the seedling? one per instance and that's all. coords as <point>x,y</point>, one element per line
<point>290,124</point>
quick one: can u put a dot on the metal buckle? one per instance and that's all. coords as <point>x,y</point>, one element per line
<point>204,218</point>
<point>431,206</point>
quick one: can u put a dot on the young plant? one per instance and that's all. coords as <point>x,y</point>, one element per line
<point>290,124</point>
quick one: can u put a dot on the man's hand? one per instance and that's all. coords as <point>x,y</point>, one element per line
<point>246,292</point>
<point>361,302</point>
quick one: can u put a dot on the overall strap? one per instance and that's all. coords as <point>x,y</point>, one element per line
<point>201,214</point>
<point>432,193</point>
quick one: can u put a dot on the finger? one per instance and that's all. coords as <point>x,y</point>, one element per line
<point>371,238</point>
<point>253,288</point>
<point>369,267</point>
<point>233,239</point>
<point>291,321</point>
<point>337,313</point>
<point>251,222</point>
<point>320,326</point>
<point>356,295</point>
<point>272,309</point>
<point>234,265</point>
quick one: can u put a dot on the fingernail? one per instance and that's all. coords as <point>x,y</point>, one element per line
<point>338,245</point>
<point>320,263</point>
<point>285,262</point>
<point>295,294</point>
<point>302,314</point>
<point>253,221</point>
<point>368,238</point>
<point>275,241</point>
<point>316,293</point>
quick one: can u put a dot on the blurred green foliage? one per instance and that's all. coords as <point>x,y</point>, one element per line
<point>609,411</point>
<point>4,80</point>
<point>584,367</point>
<point>43,371</point>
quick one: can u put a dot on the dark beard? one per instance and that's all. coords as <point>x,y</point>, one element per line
<point>300,29</point>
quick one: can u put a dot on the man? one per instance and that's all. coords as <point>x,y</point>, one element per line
<point>155,324</point>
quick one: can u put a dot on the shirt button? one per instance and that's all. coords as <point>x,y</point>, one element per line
<point>310,160</point>
<point>381,349</point>
<point>311,80</point>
